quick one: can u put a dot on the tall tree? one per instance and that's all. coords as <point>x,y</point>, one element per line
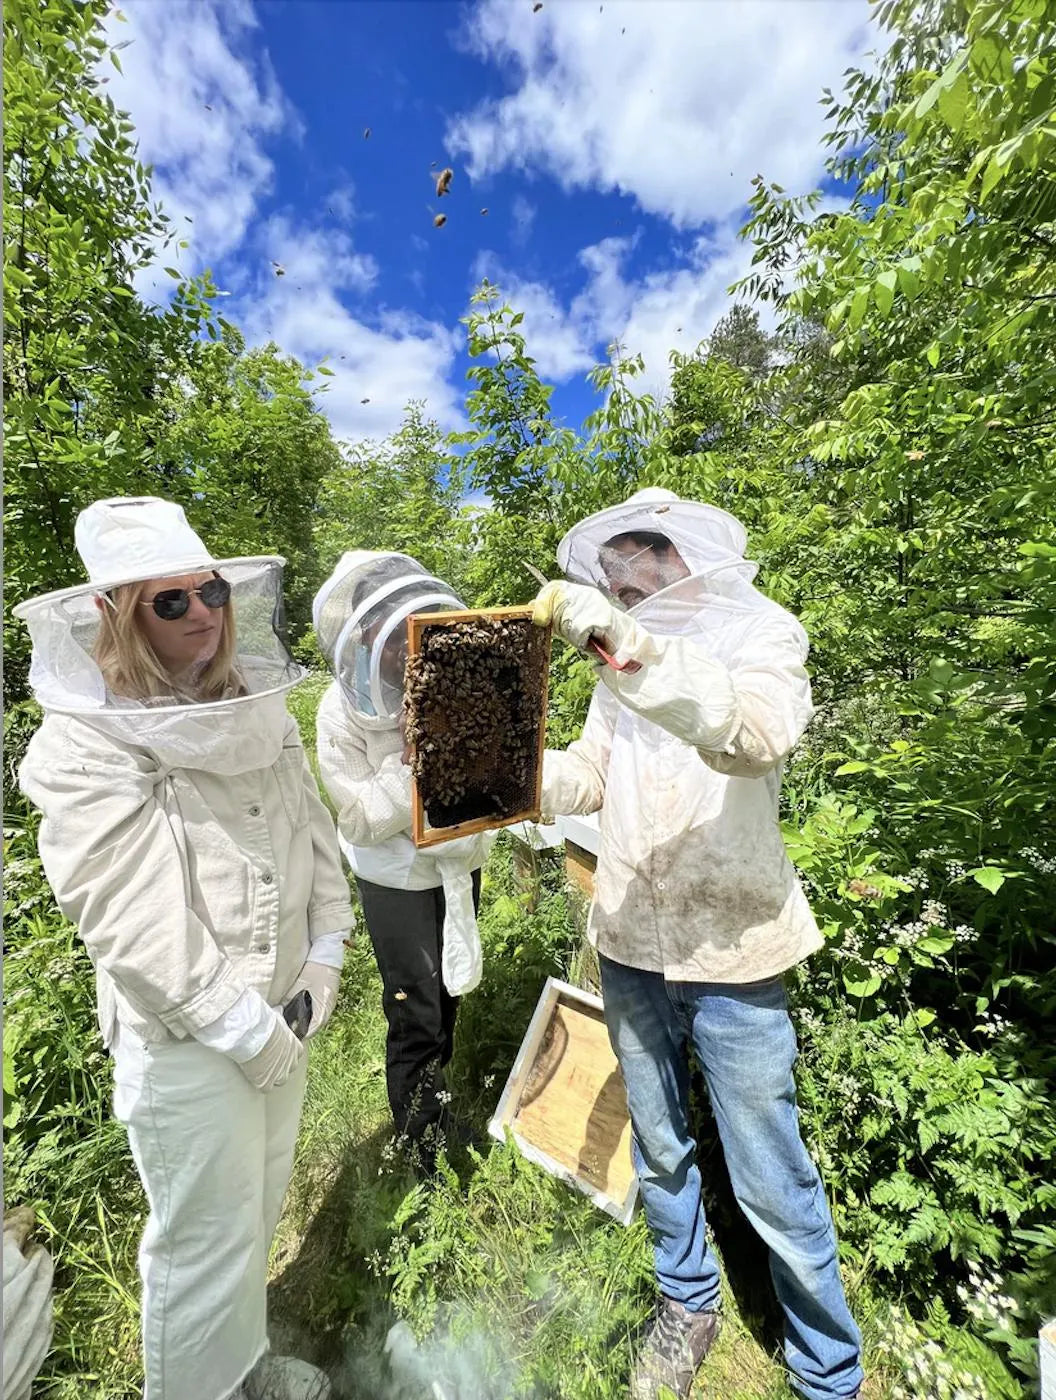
<point>242,442</point>
<point>105,395</point>
<point>83,357</point>
<point>404,493</point>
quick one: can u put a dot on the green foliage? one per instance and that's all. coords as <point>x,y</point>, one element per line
<point>930,1155</point>
<point>249,449</point>
<point>83,356</point>
<point>64,1153</point>
<point>509,1255</point>
<point>402,494</point>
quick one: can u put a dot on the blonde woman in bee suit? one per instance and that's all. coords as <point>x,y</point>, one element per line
<point>419,906</point>
<point>183,833</point>
<point>697,911</point>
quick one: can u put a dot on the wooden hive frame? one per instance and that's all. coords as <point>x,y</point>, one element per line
<point>421,832</point>
<point>565,1105</point>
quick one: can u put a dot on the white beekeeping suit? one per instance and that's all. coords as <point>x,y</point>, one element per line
<point>27,1304</point>
<point>183,832</point>
<point>683,755</point>
<point>360,617</point>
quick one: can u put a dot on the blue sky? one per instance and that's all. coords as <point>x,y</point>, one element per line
<point>611,141</point>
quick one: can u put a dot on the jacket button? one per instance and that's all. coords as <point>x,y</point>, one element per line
<point>263,947</point>
<point>254,811</point>
<point>267,877</point>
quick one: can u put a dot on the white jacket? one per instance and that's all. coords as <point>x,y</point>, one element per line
<point>684,759</point>
<point>187,886</point>
<point>370,786</point>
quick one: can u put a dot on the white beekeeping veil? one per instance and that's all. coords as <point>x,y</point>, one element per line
<point>127,540</point>
<point>709,542</point>
<point>360,616</point>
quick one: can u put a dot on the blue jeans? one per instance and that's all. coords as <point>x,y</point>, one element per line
<point>746,1046</point>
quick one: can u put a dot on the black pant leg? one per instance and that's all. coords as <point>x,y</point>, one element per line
<point>406,930</point>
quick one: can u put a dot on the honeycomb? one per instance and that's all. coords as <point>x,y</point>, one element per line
<point>474,696</point>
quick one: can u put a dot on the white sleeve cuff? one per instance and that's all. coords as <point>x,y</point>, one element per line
<point>243,1030</point>
<point>329,949</point>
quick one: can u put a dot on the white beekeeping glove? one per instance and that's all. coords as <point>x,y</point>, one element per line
<point>579,613</point>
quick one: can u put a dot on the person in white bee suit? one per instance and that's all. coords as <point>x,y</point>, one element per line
<point>419,905</point>
<point>697,911</point>
<point>182,831</point>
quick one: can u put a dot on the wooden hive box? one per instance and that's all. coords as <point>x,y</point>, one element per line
<point>476,693</point>
<point>565,1105</point>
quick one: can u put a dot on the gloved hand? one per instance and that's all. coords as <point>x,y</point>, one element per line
<point>321,982</point>
<point>273,1065</point>
<point>579,613</point>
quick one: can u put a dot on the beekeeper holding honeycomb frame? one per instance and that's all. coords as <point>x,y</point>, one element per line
<point>419,906</point>
<point>697,911</point>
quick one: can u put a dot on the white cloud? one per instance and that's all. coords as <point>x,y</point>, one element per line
<point>342,203</point>
<point>315,256</point>
<point>202,107</point>
<point>675,104</point>
<point>205,103</point>
<point>559,343</point>
<point>675,308</point>
<point>395,358</point>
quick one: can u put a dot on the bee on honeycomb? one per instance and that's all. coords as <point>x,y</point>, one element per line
<point>474,698</point>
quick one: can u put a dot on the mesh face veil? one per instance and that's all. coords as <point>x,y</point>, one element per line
<point>623,550</point>
<point>360,617</point>
<point>73,671</point>
<point>204,688</point>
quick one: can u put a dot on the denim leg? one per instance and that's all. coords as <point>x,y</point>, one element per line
<point>649,1037</point>
<point>746,1046</point>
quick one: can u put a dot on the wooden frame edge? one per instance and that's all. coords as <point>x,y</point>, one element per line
<point>500,1124</point>
<point>424,836</point>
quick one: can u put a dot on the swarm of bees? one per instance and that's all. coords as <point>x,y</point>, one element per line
<point>474,711</point>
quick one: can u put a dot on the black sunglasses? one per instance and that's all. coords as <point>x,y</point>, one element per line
<point>171,603</point>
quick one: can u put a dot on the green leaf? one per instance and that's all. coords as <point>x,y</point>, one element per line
<point>908,274</point>
<point>989,877</point>
<point>935,943</point>
<point>928,98</point>
<point>933,352</point>
<point>884,290</point>
<point>859,305</point>
<point>174,272</point>
<point>861,988</point>
<point>993,172</point>
<point>9,1066</point>
<point>953,102</point>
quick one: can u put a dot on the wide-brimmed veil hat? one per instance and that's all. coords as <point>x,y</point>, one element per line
<point>127,540</point>
<point>710,542</point>
<point>360,616</point>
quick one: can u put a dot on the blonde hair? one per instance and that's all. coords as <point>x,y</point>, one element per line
<point>131,667</point>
